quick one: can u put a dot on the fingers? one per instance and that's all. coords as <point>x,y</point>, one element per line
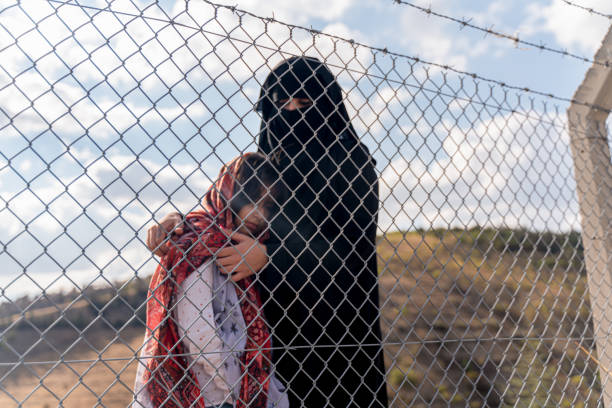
<point>232,264</point>
<point>229,262</point>
<point>149,239</point>
<point>240,272</point>
<point>171,224</point>
<point>170,221</point>
<point>227,251</point>
<point>168,225</point>
<point>237,236</point>
<point>241,275</point>
<point>240,237</point>
<point>155,241</point>
<point>237,249</point>
<point>237,272</point>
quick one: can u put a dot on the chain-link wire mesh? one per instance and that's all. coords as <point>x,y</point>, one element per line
<point>114,114</point>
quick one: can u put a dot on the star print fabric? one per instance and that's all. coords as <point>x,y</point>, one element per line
<point>211,323</point>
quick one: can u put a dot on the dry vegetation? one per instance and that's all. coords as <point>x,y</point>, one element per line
<point>450,297</point>
<point>473,318</point>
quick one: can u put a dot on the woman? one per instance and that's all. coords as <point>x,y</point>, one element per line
<point>197,338</point>
<point>318,271</point>
<point>320,283</point>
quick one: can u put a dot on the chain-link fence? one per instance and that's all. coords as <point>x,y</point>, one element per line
<point>114,114</point>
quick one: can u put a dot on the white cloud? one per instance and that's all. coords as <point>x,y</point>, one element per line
<point>494,14</point>
<point>446,42</point>
<point>113,52</point>
<point>235,59</point>
<point>495,171</point>
<point>504,171</point>
<point>575,29</point>
<point>373,114</point>
<point>105,210</point>
<point>430,40</point>
<point>341,56</point>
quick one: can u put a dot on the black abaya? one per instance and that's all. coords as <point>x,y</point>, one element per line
<point>320,287</point>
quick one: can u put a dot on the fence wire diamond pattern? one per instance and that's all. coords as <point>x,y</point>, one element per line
<point>114,114</point>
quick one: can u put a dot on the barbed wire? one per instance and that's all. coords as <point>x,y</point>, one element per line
<point>452,295</point>
<point>318,346</point>
<point>589,9</point>
<point>385,51</point>
<point>515,38</point>
<point>402,82</point>
<point>353,42</point>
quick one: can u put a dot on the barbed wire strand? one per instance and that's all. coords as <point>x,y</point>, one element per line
<point>353,42</point>
<point>589,9</point>
<point>335,346</point>
<point>385,50</point>
<point>515,38</point>
<point>402,82</point>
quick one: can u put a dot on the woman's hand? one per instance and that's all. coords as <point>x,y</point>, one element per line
<point>244,258</point>
<point>158,234</point>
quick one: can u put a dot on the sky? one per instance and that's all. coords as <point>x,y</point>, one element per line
<point>108,121</point>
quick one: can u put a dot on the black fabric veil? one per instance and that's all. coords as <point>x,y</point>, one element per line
<point>325,121</point>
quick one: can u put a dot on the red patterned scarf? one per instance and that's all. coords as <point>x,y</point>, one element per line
<point>169,380</point>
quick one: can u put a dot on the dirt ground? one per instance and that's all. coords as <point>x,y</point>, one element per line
<point>95,383</point>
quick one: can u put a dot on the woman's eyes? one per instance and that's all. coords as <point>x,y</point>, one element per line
<point>299,103</point>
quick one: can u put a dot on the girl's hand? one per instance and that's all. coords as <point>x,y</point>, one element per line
<point>158,234</point>
<point>244,258</point>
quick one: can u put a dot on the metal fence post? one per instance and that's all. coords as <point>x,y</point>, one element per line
<point>593,173</point>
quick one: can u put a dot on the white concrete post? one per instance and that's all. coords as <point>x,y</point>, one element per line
<point>593,172</point>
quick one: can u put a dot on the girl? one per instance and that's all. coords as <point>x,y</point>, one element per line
<point>206,341</point>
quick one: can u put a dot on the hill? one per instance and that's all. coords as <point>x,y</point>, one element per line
<point>476,317</point>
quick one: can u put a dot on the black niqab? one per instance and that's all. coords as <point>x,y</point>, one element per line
<point>324,121</point>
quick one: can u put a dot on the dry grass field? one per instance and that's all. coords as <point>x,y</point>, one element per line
<point>462,311</point>
<point>105,382</point>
